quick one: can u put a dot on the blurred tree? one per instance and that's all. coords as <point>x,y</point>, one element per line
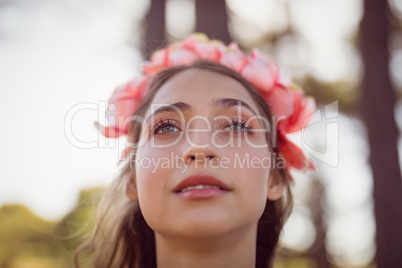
<point>77,224</point>
<point>274,40</point>
<point>24,236</point>
<point>323,93</point>
<point>316,254</point>
<point>212,19</point>
<point>318,251</point>
<point>26,240</point>
<point>377,107</point>
<point>344,92</point>
<point>154,29</point>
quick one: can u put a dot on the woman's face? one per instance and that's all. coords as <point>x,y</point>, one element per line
<point>203,168</point>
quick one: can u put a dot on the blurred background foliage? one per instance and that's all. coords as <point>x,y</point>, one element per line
<point>330,207</point>
<point>29,241</point>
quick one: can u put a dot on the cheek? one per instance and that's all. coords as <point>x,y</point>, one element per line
<point>151,182</point>
<point>251,160</point>
<point>252,168</point>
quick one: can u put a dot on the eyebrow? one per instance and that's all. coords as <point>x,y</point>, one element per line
<point>170,108</point>
<point>229,102</point>
<point>220,102</point>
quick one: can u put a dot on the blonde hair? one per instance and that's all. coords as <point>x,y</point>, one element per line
<point>122,238</point>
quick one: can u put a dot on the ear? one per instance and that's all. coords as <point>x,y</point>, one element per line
<point>131,189</point>
<point>275,188</point>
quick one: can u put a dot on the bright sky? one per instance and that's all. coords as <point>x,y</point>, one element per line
<point>54,57</point>
<point>59,57</point>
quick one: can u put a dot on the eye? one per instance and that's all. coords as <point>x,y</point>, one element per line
<point>164,127</point>
<point>238,125</point>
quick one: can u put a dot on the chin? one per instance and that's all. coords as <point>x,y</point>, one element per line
<point>205,230</point>
<point>203,226</point>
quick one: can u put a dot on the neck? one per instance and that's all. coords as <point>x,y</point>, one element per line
<point>236,250</point>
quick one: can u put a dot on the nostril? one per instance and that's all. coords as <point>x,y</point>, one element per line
<point>208,157</point>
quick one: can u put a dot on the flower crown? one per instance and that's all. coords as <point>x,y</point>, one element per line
<point>285,99</point>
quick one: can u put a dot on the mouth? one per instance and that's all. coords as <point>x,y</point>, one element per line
<point>201,186</point>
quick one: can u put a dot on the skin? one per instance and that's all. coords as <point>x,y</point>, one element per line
<point>215,232</point>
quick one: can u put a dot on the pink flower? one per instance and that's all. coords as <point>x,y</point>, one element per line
<point>262,73</point>
<point>195,38</point>
<point>196,46</point>
<point>280,102</point>
<point>257,54</point>
<point>122,105</point>
<point>303,108</point>
<point>109,132</point>
<point>287,103</point>
<point>204,48</point>
<point>293,154</point>
<point>159,61</point>
<point>181,57</point>
<point>284,79</point>
<point>234,58</point>
<point>167,58</point>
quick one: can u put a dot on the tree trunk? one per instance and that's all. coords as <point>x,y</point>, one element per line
<point>154,35</point>
<point>378,102</point>
<point>212,19</point>
<point>318,251</point>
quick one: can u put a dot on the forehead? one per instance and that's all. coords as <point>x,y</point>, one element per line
<point>200,87</point>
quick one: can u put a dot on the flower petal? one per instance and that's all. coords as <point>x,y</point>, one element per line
<point>204,48</point>
<point>257,54</point>
<point>303,116</point>
<point>207,51</point>
<point>126,99</point>
<point>119,114</point>
<point>284,79</point>
<point>160,56</point>
<point>280,100</point>
<point>182,57</point>
<point>158,61</point>
<point>195,38</point>
<point>109,132</point>
<point>293,154</point>
<point>234,59</point>
<point>150,67</point>
<point>261,74</point>
<point>303,108</point>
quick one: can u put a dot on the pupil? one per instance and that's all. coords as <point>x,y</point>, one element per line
<point>167,128</point>
<point>236,127</point>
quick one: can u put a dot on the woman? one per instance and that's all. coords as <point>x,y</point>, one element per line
<point>207,183</point>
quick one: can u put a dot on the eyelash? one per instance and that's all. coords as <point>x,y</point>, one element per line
<point>242,123</point>
<point>234,121</point>
<point>162,123</point>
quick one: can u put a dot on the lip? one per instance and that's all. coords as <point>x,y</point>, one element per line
<point>206,193</point>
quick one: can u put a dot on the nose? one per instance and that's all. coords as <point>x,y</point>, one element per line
<point>193,155</point>
<point>199,154</point>
<point>200,148</point>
